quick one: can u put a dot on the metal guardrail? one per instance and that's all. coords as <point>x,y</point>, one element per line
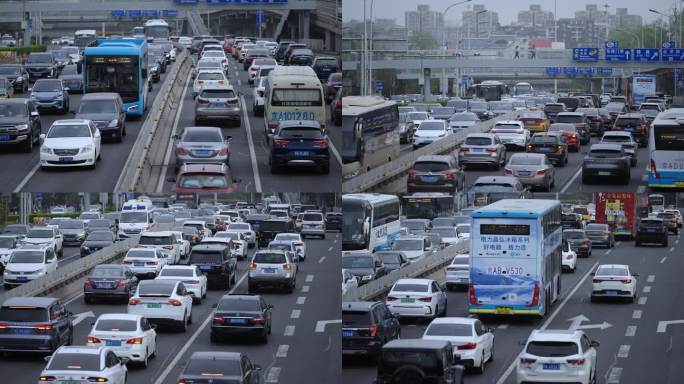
<point>70,272</point>
<point>420,268</point>
<point>377,177</point>
<point>138,166</point>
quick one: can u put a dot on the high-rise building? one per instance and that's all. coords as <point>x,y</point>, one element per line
<point>423,20</point>
<point>479,21</point>
<point>535,17</point>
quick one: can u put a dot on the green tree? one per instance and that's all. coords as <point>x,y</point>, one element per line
<point>422,41</point>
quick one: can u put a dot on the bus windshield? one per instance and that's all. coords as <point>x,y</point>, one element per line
<point>427,207</point>
<point>355,226</point>
<point>296,97</point>
<point>113,74</point>
<point>669,137</point>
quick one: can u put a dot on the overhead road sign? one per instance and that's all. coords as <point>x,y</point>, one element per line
<point>552,71</point>
<point>672,54</point>
<point>134,13</point>
<point>604,71</point>
<point>668,45</point>
<point>618,54</point>
<point>611,44</point>
<point>186,1</point>
<point>647,54</point>
<point>586,71</point>
<point>118,13</point>
<point>151,13</point>
<point>378,86</point>
<point>585,54</point>
<point>170,13</point>
<point>570,71</point>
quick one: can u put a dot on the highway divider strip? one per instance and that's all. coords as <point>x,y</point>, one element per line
<point>375,178</point>
<point>423,267</point>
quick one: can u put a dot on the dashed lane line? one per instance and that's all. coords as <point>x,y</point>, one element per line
<point>301,300</point>
<point>289,330</point>
<point>650,278</point>
<point>252,152</point>
<point>663,260</point>
<point>321,259</point>
<point>305,288</point>
<point>614,376</point>
<point>623,352</point>
<point>295,313</point>
<point>642,300</point>
<point>637,314</point>
<point>309,278</point>
<point>28,177</point>
<point>273,375</point>
<point>631,331</point>
<point>282,350</point>
<point>647,289</point>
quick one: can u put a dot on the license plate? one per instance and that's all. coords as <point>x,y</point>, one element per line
<point>629,129</point>
<point>346,333</point>
<point>429,179</point>
<point>139,264</point>
<point>503,311</point>
<point>22,331</point>
<point>268,270</point>
<point>153,305</point>
<point>544,149</point>
<point>217,105</point>
<point>4,137</point>
<point>408,300</point>
<point>552,367</point>
<point>524,173</point>
<point>113,343</point>
<point>604,173</point>
<point>205,266</point>
<point>104,285</point>
<point>478,149</point>
<point>201,153</point>
<point>611,293</point>
<point>21,278</point>
<point>301,153</point>
<point>238,321</point>
<point>66,159</point>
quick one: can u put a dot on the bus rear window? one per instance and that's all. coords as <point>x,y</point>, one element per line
<point>669,138</point>
<point>296,98</point>
<point>505,229</point>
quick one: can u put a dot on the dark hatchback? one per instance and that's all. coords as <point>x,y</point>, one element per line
<point>409,361</point>
<point>332,84</point>
<point>366,327</point>
<point>324,66</point>
<point>34,324</point>
<point>651,230</point>
<point>97,240</point>
<point>435,173</point>
<point>365,266</point>
<point>333,221</point>
<point>241,315</point>
<point>606,160</point>
<point>578,240</point>
<point>571,221</point>
<point>300,143</point>
<point>216,262</point>
<point>220,368</point>
<point>552,109</point>
<point>636,124</point>
<point>392,259</point>
<point>19,124</point>
<point>109,281</point>
<point>552,144</point>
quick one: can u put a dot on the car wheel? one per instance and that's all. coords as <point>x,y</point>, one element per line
<point>232,281</point>
<point>480,370</point>
<point>144,363</point>
<point>190,318</point>
<point>214,338</point>
<point>274,167</point>
<point>637,243</point>
<point>585,179</point>
<point>184,323</point>
<point>87,299</point>
<point>70,341</point>
<point>7,286</point>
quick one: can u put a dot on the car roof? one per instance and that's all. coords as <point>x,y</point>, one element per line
<point>226,87</point>
<point>204,168</point>
<point>216,355</point>
<point>208,247</point>
<point>621,266</point>
<point>296,123</point>
<point>515,122</point>
<point>433,158</point>
<point>415,281</point>
<point>605,146</point>
<point>570,114</point>
<point>122,316</point>
<point>555,335</point>
<point>81,349</point>
<point>41,302</point>
<point>71,121</point>
<point>454,320</point>
<point>416,344</point>
<point>100,96</point>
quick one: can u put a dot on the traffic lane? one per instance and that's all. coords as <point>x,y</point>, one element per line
<point>280,349</point>
<point>106,173</point>
<point>637,181</point>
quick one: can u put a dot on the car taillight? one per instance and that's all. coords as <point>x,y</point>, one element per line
<point>126,262</point>
<point>48,378</point>
<point>595,280</point>
<point>530,147</point>
<point>93,340</point>
<point>252,266</point>
<point>320,143</point>
<point>4,326</point>
<point>491,149</point>
<point>626,281</point>
<point>541,171</point>
<point>217,320</point>
<point>508,171</point>
<point>425,299</point>
<point>232,101</point>
<point>391,298</point>
<point>181,151</point>
<point>194,238</point>
<point>575,361</point>
<point>286,266</point>
<point>97,380</point>
<point>525,360</point>
<point>88,282</point>
<point>135,340</point>
<point>412,173</point>
<point>535,297</point>
<point>223,152</point>
<point>464,149</point>
<point>202,101</point>
<point>373,330</point>
<point>470,345</point>
<point>134,301</point>
<point>573,135</point>
<point>338,104</point>
<point>586,242</point>
<point>224,61</point>
<point>449,175</point>
<point>43,327</point>
<point>281,143</point>
<point>121,283</point>
<point>471,294</point>
<point>150,263</point>
<point>257,320</point>
<point>559,148</point>
<point>568,257</point>
<point>175,302</point>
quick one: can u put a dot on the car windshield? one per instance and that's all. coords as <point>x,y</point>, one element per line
<point>202,181</point>
<point>562,128</point>
<point>75,362</point>
<point>100,271</point>
<point>418,115</point>
<point>202,136</point>
<point>312,217</point>
<point>574,235</point>
<point>627,122</point>
<point>213,54</point>
<point>611,271</point>
<point>463,117</point>
<point>210,76</point>
<point>239,304</point>
<point>507,128</point>
<point>423,359</point>
<point>269,258</point>
<point>217,94</point>
<point>526,160</point>
<point>209,64</point>
<point>285,236</point>
<point>551,348</point>
<point>445,232</point>
<point>12,110</point>
<point>39,58</point>
<point>69,130</point>
<point>9,70</point>
<point>463,228</point>
<point>408,245</point>
<point>492,187</point>
<point>184,272</point>
<point>7,242</point>
<point>27,257</point>
<point>280,247</point>
<point>449,329</point>
<point>229,235</point>
<point>47,86</point>
<point>350,262</point>
<point>133,217</point>
<point>97,106</point>
<point>71,224</point>
<point>390,257</point>
<point>544,139</point>
<point>70,70</point>
<point>156,240</point>
<point>212,367</point>
<point>431,125</point>
<point>605,153</point>
<point>478,141</point>
<point>40,233</point>
<point>501,106</point>
<point>151,288</point>
<point>116,325</point>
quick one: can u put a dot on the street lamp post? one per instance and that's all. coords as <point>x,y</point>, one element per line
<point>633,34</point>
<point>444,18</point>
<point>477,22</point>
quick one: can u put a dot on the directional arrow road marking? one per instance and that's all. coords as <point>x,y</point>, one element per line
<point>82,316</point>
<point>320,325</point>
<point>662,325</point>
<point>579,319</point>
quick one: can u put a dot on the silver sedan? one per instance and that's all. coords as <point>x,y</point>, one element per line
<point>532,169</point>
<point>202,145</point>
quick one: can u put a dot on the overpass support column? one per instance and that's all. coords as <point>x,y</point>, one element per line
<point>329,37</point>
<point>304,24</point>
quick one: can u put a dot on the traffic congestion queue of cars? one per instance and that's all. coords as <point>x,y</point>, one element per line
<point>180,254</point>
<point>296,138</point>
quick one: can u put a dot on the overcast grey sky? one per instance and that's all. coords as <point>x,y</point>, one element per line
<point>507,9</point>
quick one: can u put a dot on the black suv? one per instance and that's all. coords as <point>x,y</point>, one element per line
<point>366,327</point>
<point>651,230</point>
<point>282,48</point>
<point>41,65</point>
<point>419,361</point>
<point>333,221</point>
<point>435,173</point>
<point>35,324</point>
<point>606,160</point>
<point>216,262</point>
<point>580,121</point>
<point>17,76</point>
<point>553,109</point>
<point>19,123</point>
<point>268,229</point>
<point>552,144</point>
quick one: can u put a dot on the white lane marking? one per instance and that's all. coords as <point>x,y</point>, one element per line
<point>614,376</point>
<point>608,252</point>
<point>623,352</point>
<point>79,317</point>
<point>169,148</point>
<point>676,241</point>
<point>569,183</point>
<point>179,355</point>
<point>295,313</point>
<point>27,177</point>
<point>642,300</point>
<point>647,289</point>
<point>309,278</point>
<point>669,347</point>
<point>305,288</point>
<point>301,300</point>
<point>320,324</point>
<point>618,243</point>
<point>289,330</point>
<point>282,350</point>
<point>672,249</point>
<point>273,374</point>
<point>650,278</point>
<point>663,260</point>
<point>252,153</point>
<point>662,325</point>
<point>330,249</point>
<point>334,151</point>
<point>548,321</point>
<point>239,83</point>
<point>631,331</point>
<point>68,258</point>
<point>637,314</point>
<point>321,259</point>
<point>502,326</point>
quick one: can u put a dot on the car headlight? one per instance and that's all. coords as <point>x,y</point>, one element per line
<point>86,148</point>
<point>22,127</point>
<point>113,123</point>
<point>367,277</point>
<point>59,97</point>
<point>47,150</point>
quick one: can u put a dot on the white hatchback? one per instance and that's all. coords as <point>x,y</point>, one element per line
<point>239,249</point>
<point>69,143</point>
<point>70,364</point>
<point>193,279</point>
<point>28,263</point>
<point>165,302</point>
<point>569,260</point>
<point>613,281</point>
<point>130,336</point>
<point>473,342</point>
<point>299,244</point>
<point>512,133</point>
<point>208,77</point>
<point>416,298</point>
<point>246,230</point>
<point>145,261</point>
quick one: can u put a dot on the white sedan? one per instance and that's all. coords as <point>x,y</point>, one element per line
<point>429,131</point>
<point>193,279</point>
<point>164,302</point>
<point>473,342</point>
<point>299,244</point>
<point>569,261</point>
<point>145,261</point>
<point>73,363</point>
<point>182,243</point>
<point>208,77</point>
<point>246,230</point>
<point>130,336</point>
<point>239,249</point>
<point>512,132</point>
<point>614,280</point>
<point>69,143</point>
<point>416,298</point>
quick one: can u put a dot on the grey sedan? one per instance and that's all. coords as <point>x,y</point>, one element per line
<point>202,145</point>
<point>532,169</point>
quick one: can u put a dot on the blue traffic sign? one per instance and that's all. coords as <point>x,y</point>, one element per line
<point>552,71</point>
<point>611,45</point>
<point>570,71</point>
<point>672,54</point>
<point>186,1</point>
<point>151,13</point>
<point>604,71</point>
<point>618,54</point>
<point>586,71</point>
<point>118,13</point>
<point>378,85</point>
<point>259,16</point>
<point>669,44</point>
<point>647,54</point>
<point>170,13</point>
<point>585,54</point>
<point>134,13</point>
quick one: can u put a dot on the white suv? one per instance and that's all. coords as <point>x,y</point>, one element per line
<point>559,356</point>
<point>313,224</point>
<point>164,241</point>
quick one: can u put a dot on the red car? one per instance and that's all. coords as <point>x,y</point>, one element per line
<point>208,177</point>
<point>570,132</point>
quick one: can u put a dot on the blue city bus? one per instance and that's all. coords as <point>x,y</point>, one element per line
<point>666,149</point>
<point>118,65</point>
<point>515,253</point>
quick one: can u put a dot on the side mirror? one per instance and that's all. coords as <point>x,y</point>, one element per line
<point>176,137</point>
<point>153,326</point>
<point>47,358</point>
<point>594,343</point>
<point>30,89</point>
<point>269,306</point>
<point>35,114</point>
<point>229,137</point>
<point>490,330</point>
<point>171,179</point>
<point>66,89</point>
<point>256,367</point>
